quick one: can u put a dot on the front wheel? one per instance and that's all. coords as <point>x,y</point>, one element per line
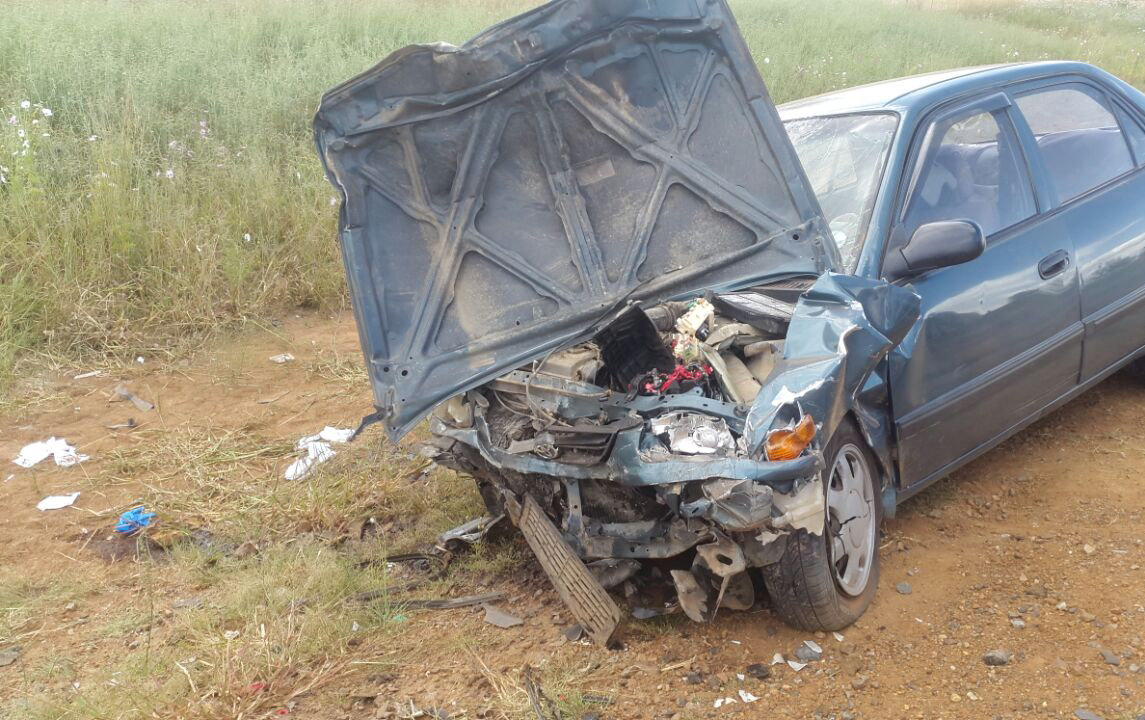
<point>825,582</point>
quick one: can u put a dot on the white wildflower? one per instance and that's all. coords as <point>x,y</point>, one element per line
<point>333,201</point>
<point>246,237</point>
<point>169,173</point>
<point>13,120</point>
<point>93,138</point>
<point>25,104</point>
<point>767,61</point>
<point>20,132</point>
<point>46,112</point>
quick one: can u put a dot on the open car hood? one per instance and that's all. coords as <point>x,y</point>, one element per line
<point>500,198</point>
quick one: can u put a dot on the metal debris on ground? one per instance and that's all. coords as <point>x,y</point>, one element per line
<point>318,450</point>
<point>499,618</point>
<point>281,358</point>
<point>468,534</point>
<point>134,520</point>
<point>56,502</point>
<point>452,603</point>
<point>129,425</point>
<point>537,695</point>
<point>57,448</point>
<point>142,405</point>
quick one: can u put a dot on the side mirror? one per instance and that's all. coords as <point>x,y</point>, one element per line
<point>936,245</point>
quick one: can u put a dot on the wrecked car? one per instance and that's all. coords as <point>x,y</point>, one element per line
<point>676,333</point>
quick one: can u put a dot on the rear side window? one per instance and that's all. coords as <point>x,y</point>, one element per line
<point>974,172</point>
<point>1134,132</point>
<point>1080,142</point>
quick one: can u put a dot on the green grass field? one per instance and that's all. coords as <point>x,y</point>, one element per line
<point>174,189</point>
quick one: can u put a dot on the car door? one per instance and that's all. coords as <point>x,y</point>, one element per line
<point>999,338</point>
<point>1096,186</point>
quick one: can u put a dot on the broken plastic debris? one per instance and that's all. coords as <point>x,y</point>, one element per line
<point>499,618</point>
<point>121,391</point>
<point>747,697</point>
<point>813,645</point>
<point>55,502</point>
<point>317,449</point>
<point>65,455</point>
<point>281,358</point>
<point>86,375</point>
<point>134,520</point>
<point>720,702</point>
<point>796,666</point>
<point>777,659</point>
<point>838,636</point>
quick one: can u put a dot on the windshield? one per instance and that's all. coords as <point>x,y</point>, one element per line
<point>844,157</point>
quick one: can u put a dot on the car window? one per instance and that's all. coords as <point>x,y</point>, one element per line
<point>844,157</point>
<point>972,171</point>
<point>1134,132</point>
<point>1079,139</point>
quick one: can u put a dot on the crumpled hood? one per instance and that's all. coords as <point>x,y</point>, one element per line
<point>500,198</point>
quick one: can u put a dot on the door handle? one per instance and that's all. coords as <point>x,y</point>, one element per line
<point>1052,264</point>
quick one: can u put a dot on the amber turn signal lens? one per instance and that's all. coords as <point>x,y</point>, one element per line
<point>786,444</point>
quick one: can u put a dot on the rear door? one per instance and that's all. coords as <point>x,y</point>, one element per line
<point>999,338</point>
<point>1086,146</point>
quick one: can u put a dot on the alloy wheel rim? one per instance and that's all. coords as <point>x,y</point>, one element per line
<point>851,520</point>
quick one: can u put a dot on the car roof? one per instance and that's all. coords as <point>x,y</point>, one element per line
<point>921,91</point>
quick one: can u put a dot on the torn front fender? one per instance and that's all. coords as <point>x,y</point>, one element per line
<point>842,328</point>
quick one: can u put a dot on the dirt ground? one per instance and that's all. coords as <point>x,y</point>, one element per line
<point>1036,549</point>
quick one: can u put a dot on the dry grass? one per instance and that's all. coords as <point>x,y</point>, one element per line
<point>259,627</point>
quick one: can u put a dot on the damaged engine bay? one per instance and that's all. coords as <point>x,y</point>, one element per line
<point>634,445</point>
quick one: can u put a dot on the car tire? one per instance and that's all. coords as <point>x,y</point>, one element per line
<point>808,589</point>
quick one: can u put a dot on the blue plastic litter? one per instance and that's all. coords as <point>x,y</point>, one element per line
<point>134,520</point>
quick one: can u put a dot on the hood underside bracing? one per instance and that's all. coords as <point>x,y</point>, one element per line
<point>502,198</point>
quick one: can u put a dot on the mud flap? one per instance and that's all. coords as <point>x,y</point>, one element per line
<point>589,603</point>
